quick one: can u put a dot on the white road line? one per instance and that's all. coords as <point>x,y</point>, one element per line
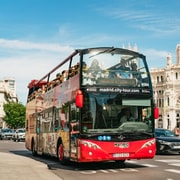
<point>112,170</point>
<point>173,170</point>
<point>149,165</point>
<point>129,170</point>
<point>175,164</point>
<point>104,171</point>
<point>88,172</point>
<point>169,160</point>
<point>133,162</point>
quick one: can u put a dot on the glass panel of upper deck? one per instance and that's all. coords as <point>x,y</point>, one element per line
<point>114,67</point>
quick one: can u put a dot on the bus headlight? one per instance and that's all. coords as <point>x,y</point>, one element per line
<point>148,143</point>
<point>89,144</point>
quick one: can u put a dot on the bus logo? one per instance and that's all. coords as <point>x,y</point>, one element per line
<point>121,137</point>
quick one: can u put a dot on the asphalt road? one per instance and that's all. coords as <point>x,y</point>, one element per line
<point>162,167</point>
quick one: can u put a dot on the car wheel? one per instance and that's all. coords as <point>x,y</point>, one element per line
<point>158,151</point>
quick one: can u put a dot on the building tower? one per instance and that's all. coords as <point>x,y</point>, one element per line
<point>178,54</point>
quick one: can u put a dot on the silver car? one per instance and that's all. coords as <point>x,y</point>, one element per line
<point>6,134</point>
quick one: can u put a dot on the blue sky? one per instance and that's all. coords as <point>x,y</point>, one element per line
<point>35,35</point>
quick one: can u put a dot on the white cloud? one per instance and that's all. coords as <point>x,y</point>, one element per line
<point>155,58</point>
<point>25,61</point>
<point>24,45</point>
<point>149,19</point>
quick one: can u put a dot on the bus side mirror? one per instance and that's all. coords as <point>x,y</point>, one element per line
<point>156,113</point>
<point>79,99</point>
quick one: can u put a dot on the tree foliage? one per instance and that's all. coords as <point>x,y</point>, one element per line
<point>14,115</point>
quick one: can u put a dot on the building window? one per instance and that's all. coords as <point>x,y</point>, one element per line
<point>168,102</point>
<point>168,122</point>
<point>160,104</point>
<point>162,79</point>
<point>176,75</point>
<point>157,78</point>
<point>177,121</point>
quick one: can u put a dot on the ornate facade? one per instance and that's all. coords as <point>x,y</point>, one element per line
<point>166,85</point>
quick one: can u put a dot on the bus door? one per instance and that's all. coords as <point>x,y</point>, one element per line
<point>39,136</point>
<point>74,130</point>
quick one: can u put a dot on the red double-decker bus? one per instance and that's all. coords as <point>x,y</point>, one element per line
<point>96,105</point>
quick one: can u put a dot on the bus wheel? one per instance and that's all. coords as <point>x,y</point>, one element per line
<point>120,162</point>
<point>34,152</point>
<point>60,154</point>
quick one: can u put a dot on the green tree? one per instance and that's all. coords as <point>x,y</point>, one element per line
<point>14,115</point>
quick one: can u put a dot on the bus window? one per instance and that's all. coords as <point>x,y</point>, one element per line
<point>75,66</point>
<point>74,118</point>
<point>57,119</point>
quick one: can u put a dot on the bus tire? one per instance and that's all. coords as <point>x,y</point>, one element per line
<point>34,152</point>
<point>121,162</point>
<point>60,154</point>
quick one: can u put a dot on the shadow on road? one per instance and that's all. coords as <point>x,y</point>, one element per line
<point>53,164</point>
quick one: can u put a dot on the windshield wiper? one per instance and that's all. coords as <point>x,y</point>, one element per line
<point>107,131</point>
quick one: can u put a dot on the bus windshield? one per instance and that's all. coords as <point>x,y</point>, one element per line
<point>113,67</point>
<point>116,113</point>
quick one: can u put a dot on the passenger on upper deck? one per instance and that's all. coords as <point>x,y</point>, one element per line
<point>94,71</point>
<point>84,67</point>
<point>64,75</point>
<point>122,71</point>
<point>135,72</point>
<point>95,66</point>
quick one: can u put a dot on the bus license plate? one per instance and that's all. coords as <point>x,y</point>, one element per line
<point>116,155</point>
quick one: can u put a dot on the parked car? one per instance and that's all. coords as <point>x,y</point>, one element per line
<point>6,133</point>
<point>166,141</point>
<point>19,135</point>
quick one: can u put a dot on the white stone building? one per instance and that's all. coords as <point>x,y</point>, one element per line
<point>166,87</point>
<point>7,94</point>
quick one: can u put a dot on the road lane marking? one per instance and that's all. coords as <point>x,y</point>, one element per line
<point>112,170</point>
<point>169,160</point>
<point>88,172</point>
<point>104,171</point>
<point>129,170</point>
<point>173,170</point>
<point>149,165</point>
<point>175,164</point>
